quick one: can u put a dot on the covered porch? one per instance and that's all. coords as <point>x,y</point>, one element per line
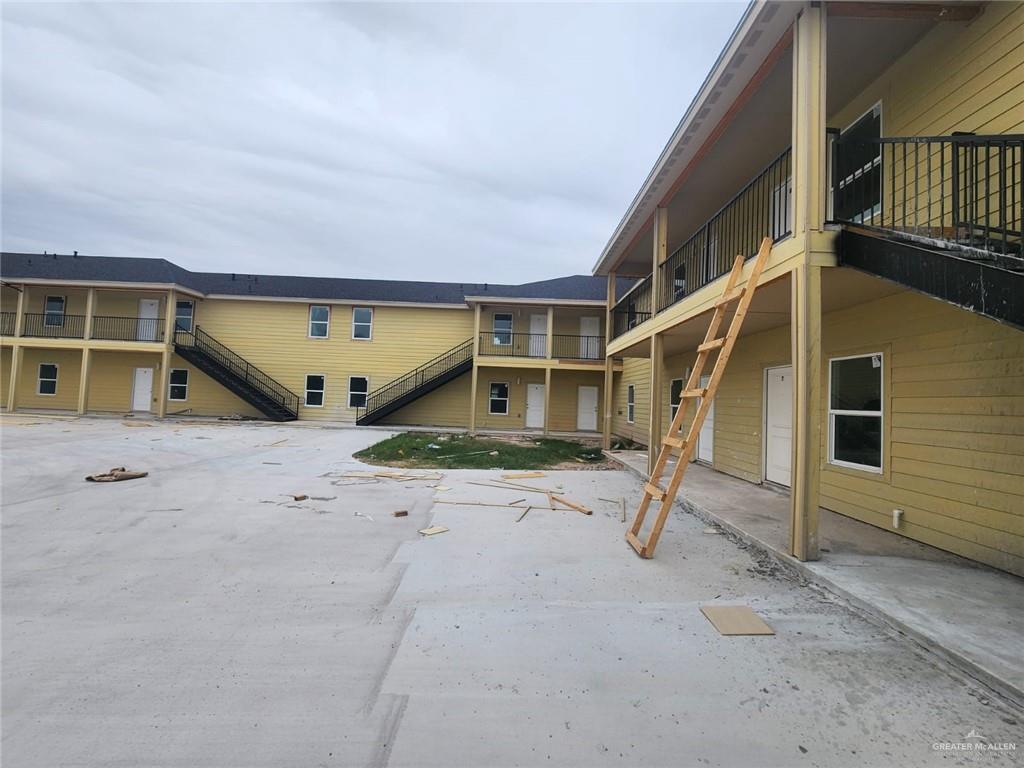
<point>969,614</point>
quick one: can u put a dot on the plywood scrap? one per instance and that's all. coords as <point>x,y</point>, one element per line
<point>735,620</point>
<point>115,475</point>
<point>522,475</point>
<point>434,530</point>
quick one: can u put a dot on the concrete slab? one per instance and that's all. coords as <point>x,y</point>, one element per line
<point>200,617</point>
<point>967,613</point>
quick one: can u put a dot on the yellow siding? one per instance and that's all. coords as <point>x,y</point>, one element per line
<point>74,298</point>
<point>274,337</point>
<point>447,406</point>
<point>636,371</point>
<point>5,374</point>
<point>125,303</point>
<point>565,398</point>
<point>8,299</point>
<point>69,367</point>
<point>112,379</point>
<point>206,397</point>
<point>517,379</point>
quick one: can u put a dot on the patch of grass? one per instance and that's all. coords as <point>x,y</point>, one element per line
<point>422,449</point>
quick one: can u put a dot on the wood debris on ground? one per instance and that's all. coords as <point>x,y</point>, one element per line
<point>735,620</point>
<point>299,496</point>
<point>522,475</point>
<point>433,530</point>
<point>115,475</point>
<point>400,513</point>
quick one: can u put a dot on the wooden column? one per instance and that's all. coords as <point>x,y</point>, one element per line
<point>90,309</point>
<point>808,118</point>
<point>807,406</point>
<point>609,374</point>
<point>17,355</point>
<point>547,399</point>
<point>19,318</point>
<point>474,376</point>
<point>659,254</point>
<point>551,333</point>
<point>83,380</point>
<point>654,432</point>
<point>164,379</point>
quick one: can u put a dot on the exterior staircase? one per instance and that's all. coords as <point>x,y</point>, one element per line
<point>235,373</point>
<point>416,383</point>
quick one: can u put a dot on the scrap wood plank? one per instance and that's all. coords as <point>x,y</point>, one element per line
<point>475,504</point>
<point>735,620</point>
<point>524,514</point>
<point>433,530</point>
<point>571,504</point>
<point>522,475</point>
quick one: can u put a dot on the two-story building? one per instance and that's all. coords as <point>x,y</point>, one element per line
<point>93,334</point>
<point>880,371</point>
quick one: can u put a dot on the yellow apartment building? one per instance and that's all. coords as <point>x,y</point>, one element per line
<point>91,334</point>
<point>880,370</point>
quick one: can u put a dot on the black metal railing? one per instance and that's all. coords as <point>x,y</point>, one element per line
<point>634,308</point>
<point>7,322</point>
<point>238,366</point>
<point>424,374</point>
<point>962,190</point>
<point>508,344</point>
<point>128,328</point>
<point>763,207</point>
<point>51,325</point>
<point>572,347</point>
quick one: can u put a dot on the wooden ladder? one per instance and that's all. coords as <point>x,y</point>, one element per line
<point>673,441</point>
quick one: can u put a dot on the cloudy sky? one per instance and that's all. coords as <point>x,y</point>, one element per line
<point>495,143</point>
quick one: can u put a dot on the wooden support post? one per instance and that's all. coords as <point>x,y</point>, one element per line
<point>655,431</point>
<point>83,380</point>
<point>475,374</point>
<point>659,255</point>
<point>551,332</point>
<point>808,118</point>
<point>19,319</point>
<point>164,378</point>
<point>807,405</point>
<point>90,309</point>
<point>17,355</point>
<point>609,373</point>
<point>547,399</point>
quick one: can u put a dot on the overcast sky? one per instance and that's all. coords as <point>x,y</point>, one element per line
<point>496,143</point>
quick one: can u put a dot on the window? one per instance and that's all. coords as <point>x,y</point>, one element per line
<point>679,282</point>
<point>47,379</point>
<point>362,323</point>
<point>855,412</point>
<point>502,329</point>
<point>857,190</point>
<point>497,404</point>
<point>358,386</point>
<point>675,396</point>
<point>314,390</point>
<point>179,384</point>
<point>53,311</point>
<point>630,403</point>
<point>183,315</point>
<point>319,321</point>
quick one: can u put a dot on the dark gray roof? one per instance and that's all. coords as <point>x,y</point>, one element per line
<point>139,270</point>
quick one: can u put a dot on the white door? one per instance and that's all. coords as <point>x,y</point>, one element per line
<point>586,409</point>
<point>149,311</point>
<point>538,335</point>
<point>142,391</point>
<point>590,338</point>
<point>706,438</point>
<point>778,424</point>
<point>535,406</point>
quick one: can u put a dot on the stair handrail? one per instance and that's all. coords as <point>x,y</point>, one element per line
<point>388,393</point>
<point>239,366</point>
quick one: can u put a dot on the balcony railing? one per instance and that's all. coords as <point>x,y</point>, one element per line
<point>7,320</point>
<point>634,308</point>
<point>51,325</point>
<point>962,191</point>
<point>763,207</point>
<point>572,347</point>
<point>128,328</point>
<point>508,344</point>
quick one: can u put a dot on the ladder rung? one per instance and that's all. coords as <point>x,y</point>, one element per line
<point>653,490</point>
<point>636,544</point>
<point>675,442</point>
<point>694,392</point>
<point>731,296</point>
<point>708,346</point>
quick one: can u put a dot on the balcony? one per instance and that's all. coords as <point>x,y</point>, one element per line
<point>128,328</point>
<point>535,345</point>
<point>7,321</point>
<point>51,325</point>
<point>762,207</point>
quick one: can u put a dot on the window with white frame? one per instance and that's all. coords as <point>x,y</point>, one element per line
<point>178,389</point>
<point>497,402</point>
<point>314,390</point>
<point>183,312</point>
<point>47,379</point>
<point>53,311</point>
<point>502,329</point>
<point>855,412</point>
<point>362,323</point>
<point>319,321</point>
<point>358,387</point>
<point>630,403</point>
<point>675,396</point>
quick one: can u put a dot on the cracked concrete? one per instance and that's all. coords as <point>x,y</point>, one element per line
<point>177,621</point>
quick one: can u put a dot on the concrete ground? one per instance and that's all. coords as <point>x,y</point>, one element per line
<point>967,613</point>
<point>202,617</point>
